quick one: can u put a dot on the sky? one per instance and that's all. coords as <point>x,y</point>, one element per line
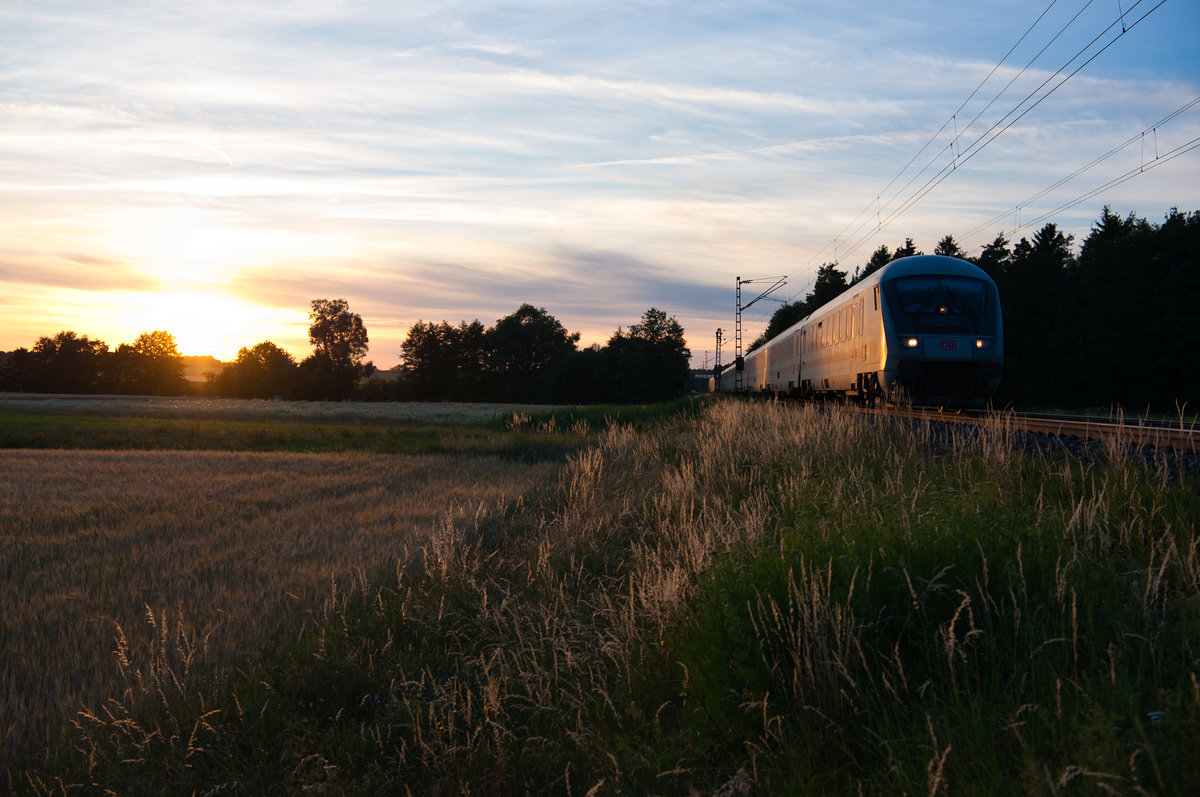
<point>209,168</point>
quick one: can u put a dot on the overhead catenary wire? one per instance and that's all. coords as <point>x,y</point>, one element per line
<point>956,158</point>
<point>960,155</point>
<point>934,137</point>
<point>1001,126</point>
<point>1129,175</point>
<point>1087,167</point>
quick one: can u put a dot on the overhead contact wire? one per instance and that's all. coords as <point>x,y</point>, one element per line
<point>992,133</point>
<point>942,129</point>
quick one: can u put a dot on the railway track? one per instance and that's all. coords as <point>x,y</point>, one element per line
<point>1137,434</point>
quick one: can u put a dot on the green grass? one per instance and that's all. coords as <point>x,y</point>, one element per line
<point>537,435</point>
<point>181,434</point>
<point>602,416</point>
<point>745,599</point>
<point>192,434</point>
<point>962,632</point>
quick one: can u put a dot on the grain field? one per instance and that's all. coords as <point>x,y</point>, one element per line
<point>238,547</point>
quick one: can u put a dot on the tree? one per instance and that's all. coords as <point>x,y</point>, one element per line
<point>579,378</point>
<point>65,363</point>
<point>1174,260</point>
<point>337,334</point>
<point>262,371</point>
<point>75,363</point>
<point>650,362</point>
<point>879,258</point>
<point>1138,287</point>
<point>948,247</point>
<point>1039,318</point>
<point>151,365</point>
<point>520,350</point>
<point>908,250</point>
<point>339,340</point>
<point>17,369</point>
<point>830,283</point>
<point>995,257</point>
<point>440,361</point>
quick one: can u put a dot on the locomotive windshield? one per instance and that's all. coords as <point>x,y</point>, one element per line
<point>939,302</point>
<point>941,295</point>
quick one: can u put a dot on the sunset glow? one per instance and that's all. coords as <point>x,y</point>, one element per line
<point>205,323</point>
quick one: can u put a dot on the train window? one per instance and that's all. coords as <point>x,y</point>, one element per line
<point>877,298</point>
<point>941,295</point>
<point>918,294</point>
<point>966,293</point>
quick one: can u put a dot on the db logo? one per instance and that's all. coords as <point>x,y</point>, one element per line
<point>948,345</point>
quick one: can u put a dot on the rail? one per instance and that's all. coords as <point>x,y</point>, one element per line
<point>1140,433</point>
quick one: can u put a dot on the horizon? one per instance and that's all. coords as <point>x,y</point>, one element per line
<point>209,171</point>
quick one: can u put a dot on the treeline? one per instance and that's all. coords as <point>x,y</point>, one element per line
<point>71,363</point>
<point>152,365</point>
<point>1115,326</point>
<point>527,357</point>
<point>333,372</point>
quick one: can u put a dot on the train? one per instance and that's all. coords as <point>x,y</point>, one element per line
<point>922,330</point>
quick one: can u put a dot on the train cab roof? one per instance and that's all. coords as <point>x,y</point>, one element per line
<point>927,264</point>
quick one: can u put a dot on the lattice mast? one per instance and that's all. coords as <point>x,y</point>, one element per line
<point>777,283</point>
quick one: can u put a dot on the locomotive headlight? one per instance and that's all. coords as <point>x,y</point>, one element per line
<point>911,343</point>
<point>981,343</point>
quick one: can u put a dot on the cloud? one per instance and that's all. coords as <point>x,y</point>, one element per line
<point>75,271</point>
<point>459,158</point>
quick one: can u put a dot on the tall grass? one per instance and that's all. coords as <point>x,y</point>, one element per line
<point>758,599</point>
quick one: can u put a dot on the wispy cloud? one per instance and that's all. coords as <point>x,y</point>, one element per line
<point>453,160</point>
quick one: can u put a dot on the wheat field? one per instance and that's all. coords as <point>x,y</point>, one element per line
<point>240,548</point>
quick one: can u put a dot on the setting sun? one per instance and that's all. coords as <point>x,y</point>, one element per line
<point>205,323</point>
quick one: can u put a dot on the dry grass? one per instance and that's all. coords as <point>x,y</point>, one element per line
<point>243,546</point>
